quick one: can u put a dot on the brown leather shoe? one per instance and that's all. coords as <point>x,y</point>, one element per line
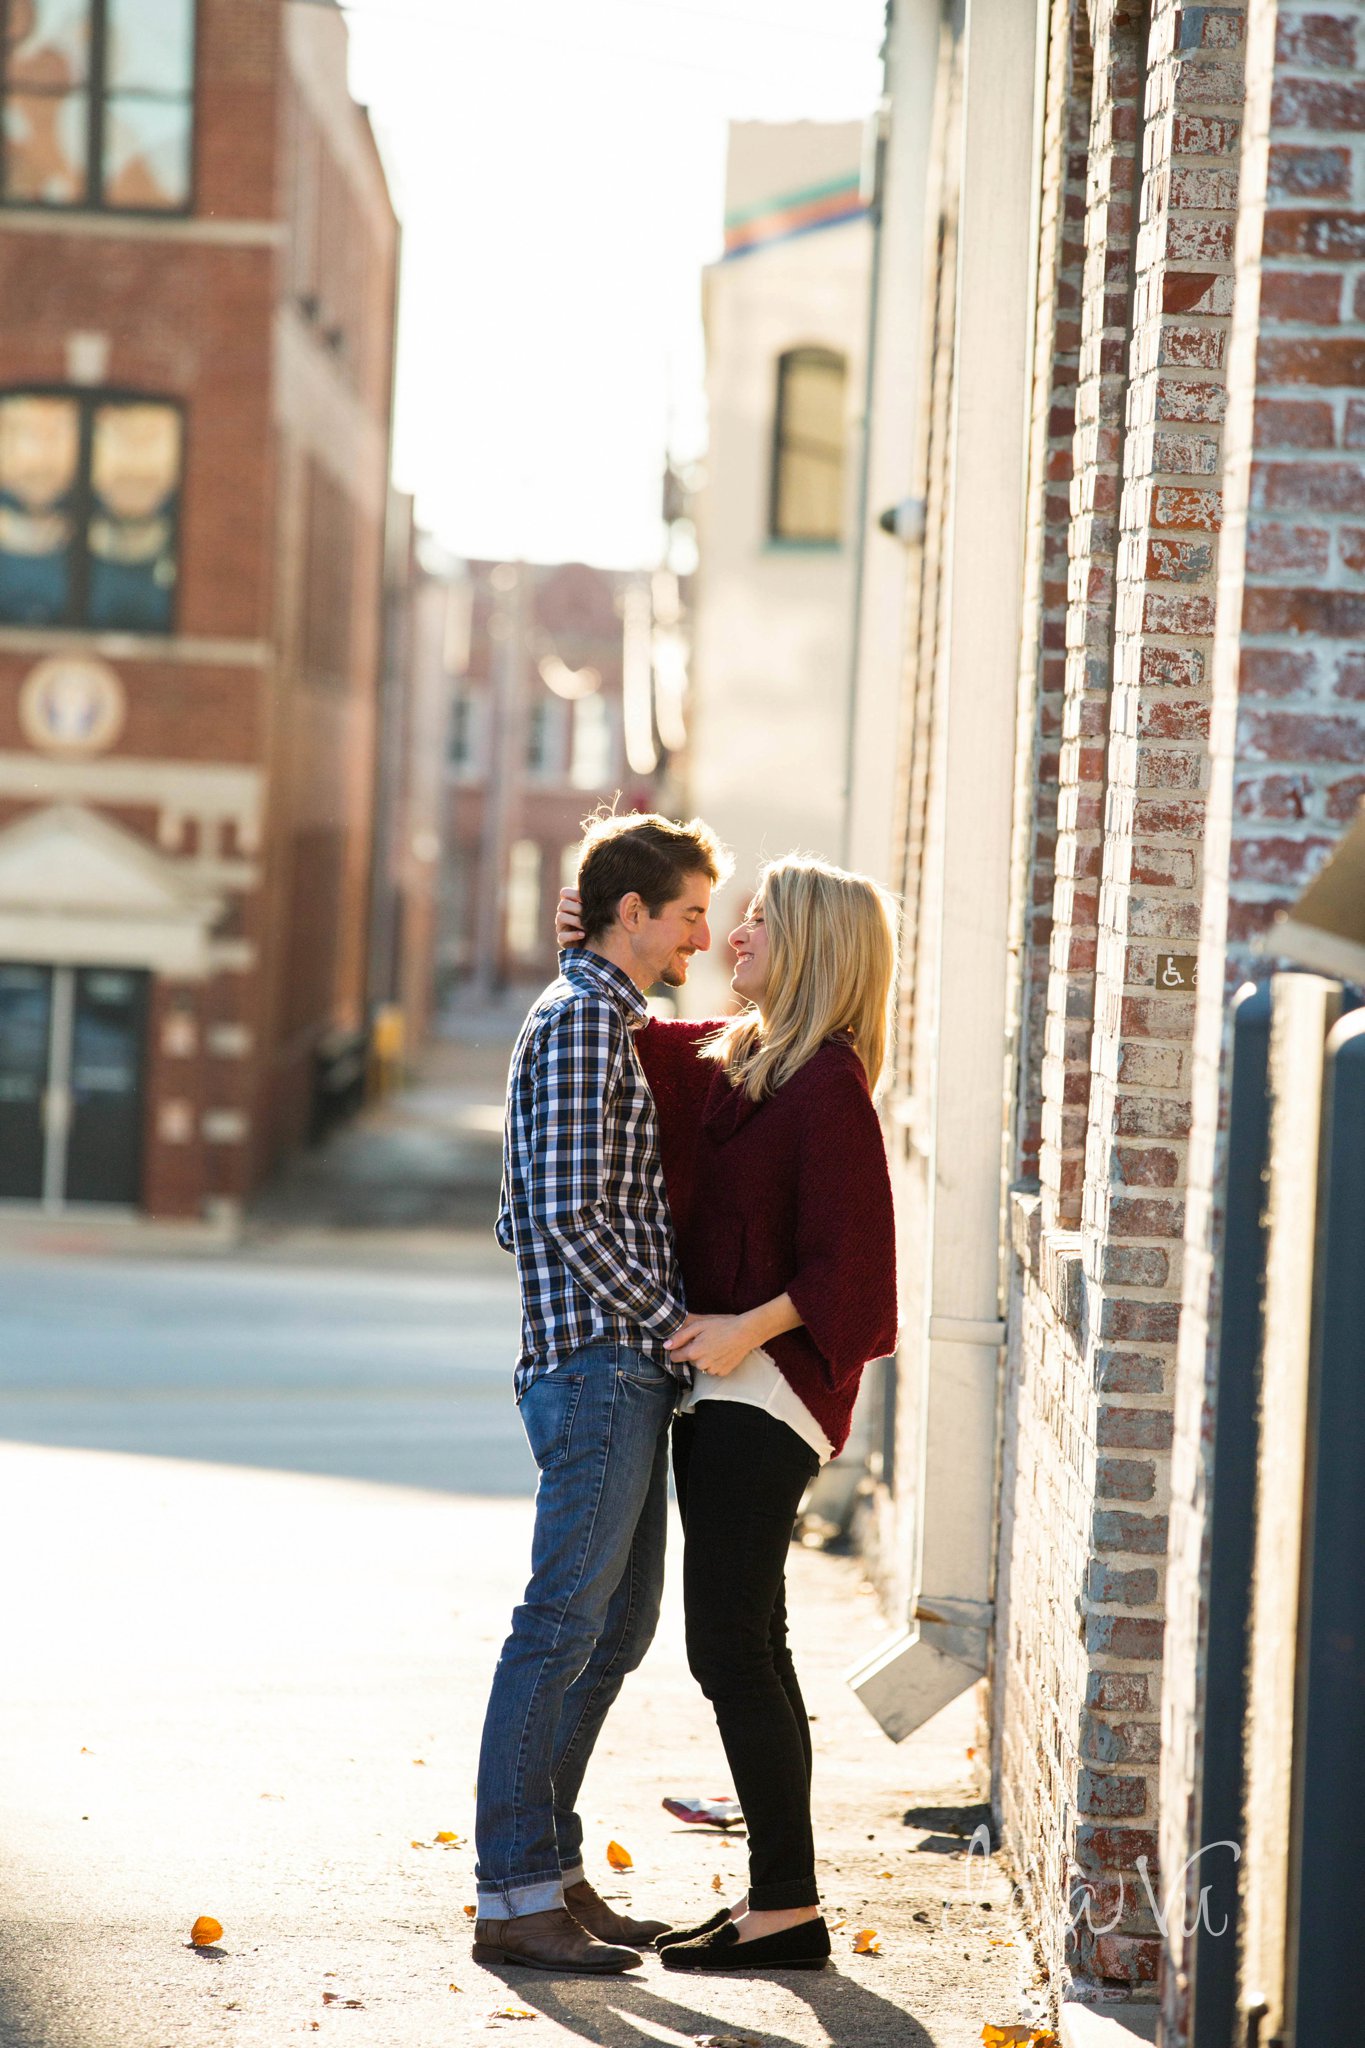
<point>549,1941</point>
<point>593,1912</point>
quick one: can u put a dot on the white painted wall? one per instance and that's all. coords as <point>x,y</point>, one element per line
<point>772,622</point>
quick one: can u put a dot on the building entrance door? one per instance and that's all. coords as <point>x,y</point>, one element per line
<point>71,1058</point>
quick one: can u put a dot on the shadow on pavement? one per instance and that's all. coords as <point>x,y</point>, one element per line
<point>20,2027</point>
<point>604,2010</point>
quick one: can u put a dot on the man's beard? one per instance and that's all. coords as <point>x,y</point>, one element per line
<point>674,976</point>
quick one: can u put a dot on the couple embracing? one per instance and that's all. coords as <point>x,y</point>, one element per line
<point>701,1219</point>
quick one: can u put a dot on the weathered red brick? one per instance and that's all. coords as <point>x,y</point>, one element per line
<point>1316,42</point>
<point>1120,1959</point>
<point>1301,296</point>
<point>1277,549</point>
<point>1305,173</point>
<point>1181,398</point>
<point>1115,1529</point>
<point>1307,486</point>
<point>1124,1479</point>
<point>1111,1795</point>
<point>1327,614</point>
<point>1312,359</point>
<point>1101,1849</point>
<point>1343,798</point>
<point>1129,1265</point>
<point>1151,1166</point>
<point>1302,736</point>
<point>1284,863</point>
<point>1150,1116</point>
<point>1180,506</point>
<point>1277,671</point>
<point>1143,1216</point>
<point>1318,103</point>
<point>1294,422</point>
<point>1275,796</point>
<point>1123,1635</point>
<point>1204,135</point>
<point>1110,1585</point>
<point>1179,561</point>
<point>1133,1429</point>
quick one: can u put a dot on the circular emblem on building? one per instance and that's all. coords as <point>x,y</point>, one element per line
<point>72,704</point>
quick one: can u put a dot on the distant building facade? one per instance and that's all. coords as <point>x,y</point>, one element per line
<point>409,782</point>
<point>563,694</point>
<point>786,313</point>
<point>197,281</point>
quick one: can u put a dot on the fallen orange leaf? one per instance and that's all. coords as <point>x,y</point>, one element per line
<point>883,1873</point>
<point>514,2012</point>
<point>417,1845</point>
<point>454,1987</point>
<point>446,1836</point>
<point>867,1942</point>
<point>716,1884</point>
<point>1026,2036</point>
<point>205,1931</point>
<point>420,1760</point>
<point>471,1912</point>
<point>835,1925</point>
<point>619,1858</point>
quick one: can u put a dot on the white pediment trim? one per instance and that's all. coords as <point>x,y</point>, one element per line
<point>76,886</point>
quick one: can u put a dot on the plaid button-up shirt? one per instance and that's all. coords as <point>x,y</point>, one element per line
<point>584,1211</point>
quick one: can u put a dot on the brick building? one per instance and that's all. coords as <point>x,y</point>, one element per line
<point>1131,727</point>
<point>564,692</point>
<point>197,280</point>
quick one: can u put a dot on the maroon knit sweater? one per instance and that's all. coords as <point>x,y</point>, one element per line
<point>789,1195</point>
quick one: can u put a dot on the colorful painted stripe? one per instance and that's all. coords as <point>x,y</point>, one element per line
<point>776,220</point>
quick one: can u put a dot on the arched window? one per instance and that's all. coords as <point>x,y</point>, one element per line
<point>96,100</point>
<point>808,447</point>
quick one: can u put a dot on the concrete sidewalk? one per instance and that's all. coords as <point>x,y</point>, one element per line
<point>257,1695</point>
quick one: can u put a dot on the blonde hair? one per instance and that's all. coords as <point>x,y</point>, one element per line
<point>831,968</point>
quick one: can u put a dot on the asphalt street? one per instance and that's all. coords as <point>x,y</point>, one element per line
<point>396,1376</point>
<point>265,1509</point>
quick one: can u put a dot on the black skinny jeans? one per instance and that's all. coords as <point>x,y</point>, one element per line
<point>740,1476</point>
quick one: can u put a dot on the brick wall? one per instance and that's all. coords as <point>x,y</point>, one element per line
<point>1057,348</point>
<point>1097,1275</point>
<point>1288,687</point>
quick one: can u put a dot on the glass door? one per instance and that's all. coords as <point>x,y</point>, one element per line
<point>108,1012</point>
<point>25,1055</point>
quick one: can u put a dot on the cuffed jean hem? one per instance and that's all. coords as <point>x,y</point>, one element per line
<point>776,1898</point>
<point>575,1874</point>
<point>512,1902</point>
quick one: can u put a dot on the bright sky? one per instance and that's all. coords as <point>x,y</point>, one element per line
<point>558,166</point>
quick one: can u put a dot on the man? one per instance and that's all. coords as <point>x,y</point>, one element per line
<point>585,1214</point>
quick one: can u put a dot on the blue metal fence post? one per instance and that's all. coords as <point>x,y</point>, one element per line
<point>1232,1520</point>
<point>1329,1762</point>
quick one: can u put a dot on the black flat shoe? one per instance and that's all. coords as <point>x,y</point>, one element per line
<point>677,1934</point>
<point>803,1947</point>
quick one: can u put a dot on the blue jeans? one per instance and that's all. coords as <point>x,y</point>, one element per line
<point>598,1430</point>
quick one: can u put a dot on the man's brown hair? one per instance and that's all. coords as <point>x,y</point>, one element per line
<point>644,853</point>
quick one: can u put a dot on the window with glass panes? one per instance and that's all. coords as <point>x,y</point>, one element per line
<point>89,500</point>
<point>97,99</point>
<point>808,447</point>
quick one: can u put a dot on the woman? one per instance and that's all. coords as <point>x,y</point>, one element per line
<point>781,1202</point>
